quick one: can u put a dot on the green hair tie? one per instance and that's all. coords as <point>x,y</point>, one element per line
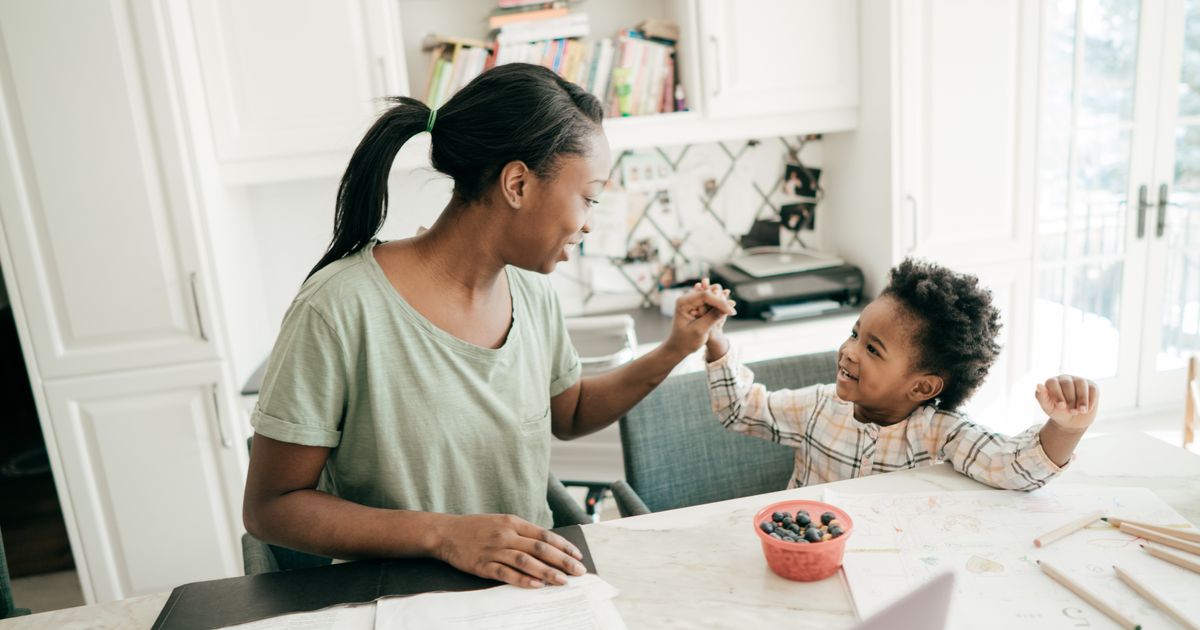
<point>432,117</point>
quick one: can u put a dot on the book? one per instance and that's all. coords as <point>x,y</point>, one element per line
<point>564,27</point>
<point>504,19</point>
<point>512,4</point>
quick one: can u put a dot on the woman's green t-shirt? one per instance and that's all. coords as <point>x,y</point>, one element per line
<point>417,418</point>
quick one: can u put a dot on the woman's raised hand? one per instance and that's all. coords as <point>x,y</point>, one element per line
<point>698,313</point>
<point>506,548</point>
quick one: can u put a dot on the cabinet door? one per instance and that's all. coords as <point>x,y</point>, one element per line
<point>967,88</point>
<point>288,78</point>
<point>152,465</point>
<point>96,201</point>
<point>778,56</point>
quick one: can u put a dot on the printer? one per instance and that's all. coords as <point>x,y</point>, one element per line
<point>776,285</point>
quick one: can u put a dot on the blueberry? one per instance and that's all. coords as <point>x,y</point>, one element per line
<point>787,520</point>
<point>826,517</point>
<point>836,531</point>
<point>795,529</point>
<point>767,526</point>
<point>776,536</point>
<point>812,535</point>
<point>800,513</point>
<point>803,518</point>
<point>801,540</point>
<point>778,517</point>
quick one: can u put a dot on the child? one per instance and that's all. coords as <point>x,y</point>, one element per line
<point>915,355</point>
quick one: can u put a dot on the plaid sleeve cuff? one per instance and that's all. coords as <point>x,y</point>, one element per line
<point>730,356</point>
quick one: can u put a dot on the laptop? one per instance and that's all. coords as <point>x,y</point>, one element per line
<point>926,608</point>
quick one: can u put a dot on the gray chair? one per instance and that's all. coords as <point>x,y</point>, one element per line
<point>677,453</point>
<point>7,608</point>
<point>260,557</point>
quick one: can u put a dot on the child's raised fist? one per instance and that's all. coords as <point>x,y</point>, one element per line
<point>1069,401</point>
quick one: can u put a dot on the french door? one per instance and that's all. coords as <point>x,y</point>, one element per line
<point>1117,254</point>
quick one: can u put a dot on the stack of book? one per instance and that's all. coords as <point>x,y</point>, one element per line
<point>644,78</point>
<point>633,74</point>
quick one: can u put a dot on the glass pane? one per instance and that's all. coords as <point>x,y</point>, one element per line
<point>1181,293</point>
<point>1048,322</point>
<point>1189,81</point>
<point>1097,220</point>
<point>1088,67</point>
<point>1091,324</point>
<point>1109,72</point>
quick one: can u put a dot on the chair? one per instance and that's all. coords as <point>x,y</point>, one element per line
<point>1192,401</point>
<point>677,453</point>
<point>7,608</point>
<point>260,557</point>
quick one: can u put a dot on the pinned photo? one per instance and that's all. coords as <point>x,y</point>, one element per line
<point>799,216</point>
<point>801,181</point>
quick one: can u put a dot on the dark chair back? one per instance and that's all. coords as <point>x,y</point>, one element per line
<point>677,453</point>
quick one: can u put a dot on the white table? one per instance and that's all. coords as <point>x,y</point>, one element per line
<point>702,566</point>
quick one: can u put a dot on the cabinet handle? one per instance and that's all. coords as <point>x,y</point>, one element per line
<point>196,306</point>
<point>1162,210</point>
<point>911,202</point>
<point>1142,205</point>
<point>225,441</point>
<point>716,63</point>
<point>381,68</point>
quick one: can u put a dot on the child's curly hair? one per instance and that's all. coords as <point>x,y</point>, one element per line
<point>956,326</point>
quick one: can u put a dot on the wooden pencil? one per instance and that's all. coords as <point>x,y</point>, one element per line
<point>1077,524</point>
<point>1162,539</point>
<point>1152,597</point>
<point>1185,534</point>
<point>1162,553</point>
<point>1087,596</point>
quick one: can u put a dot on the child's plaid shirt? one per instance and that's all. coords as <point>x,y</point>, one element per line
<point>831,445</point>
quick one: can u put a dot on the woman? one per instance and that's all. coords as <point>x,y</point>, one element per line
<point>409,401</point>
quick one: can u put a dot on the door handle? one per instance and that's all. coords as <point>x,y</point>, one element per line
<point>225,441</point>
<point>1163,190</point>
<point>1142,205</point>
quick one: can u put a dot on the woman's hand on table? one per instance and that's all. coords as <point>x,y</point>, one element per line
<point>506,548</point>
<point>699,313</point>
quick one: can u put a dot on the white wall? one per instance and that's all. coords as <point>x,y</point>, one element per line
<point>861,182</point>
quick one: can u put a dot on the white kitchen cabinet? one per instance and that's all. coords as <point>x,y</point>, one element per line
<point>152,460</point>
<point>98,216</point>
<point>763,57</point>
<point>940,166</point>
<point>107,263</point>
<point>292,83</point>
<point>965,99</point>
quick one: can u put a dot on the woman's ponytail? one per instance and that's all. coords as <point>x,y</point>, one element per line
<point>362,197</point>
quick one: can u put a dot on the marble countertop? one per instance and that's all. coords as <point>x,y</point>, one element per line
<point>701,567</point>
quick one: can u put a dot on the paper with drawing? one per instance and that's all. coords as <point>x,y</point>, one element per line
<point>986,537</point>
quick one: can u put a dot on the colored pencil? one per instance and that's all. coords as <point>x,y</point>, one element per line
<point>1162,539</point>
<point>1178,559</point>
<point>1077,524</point>
<point>1185,534</point>
<point>1152,597</point>
<point>1087,596</point>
